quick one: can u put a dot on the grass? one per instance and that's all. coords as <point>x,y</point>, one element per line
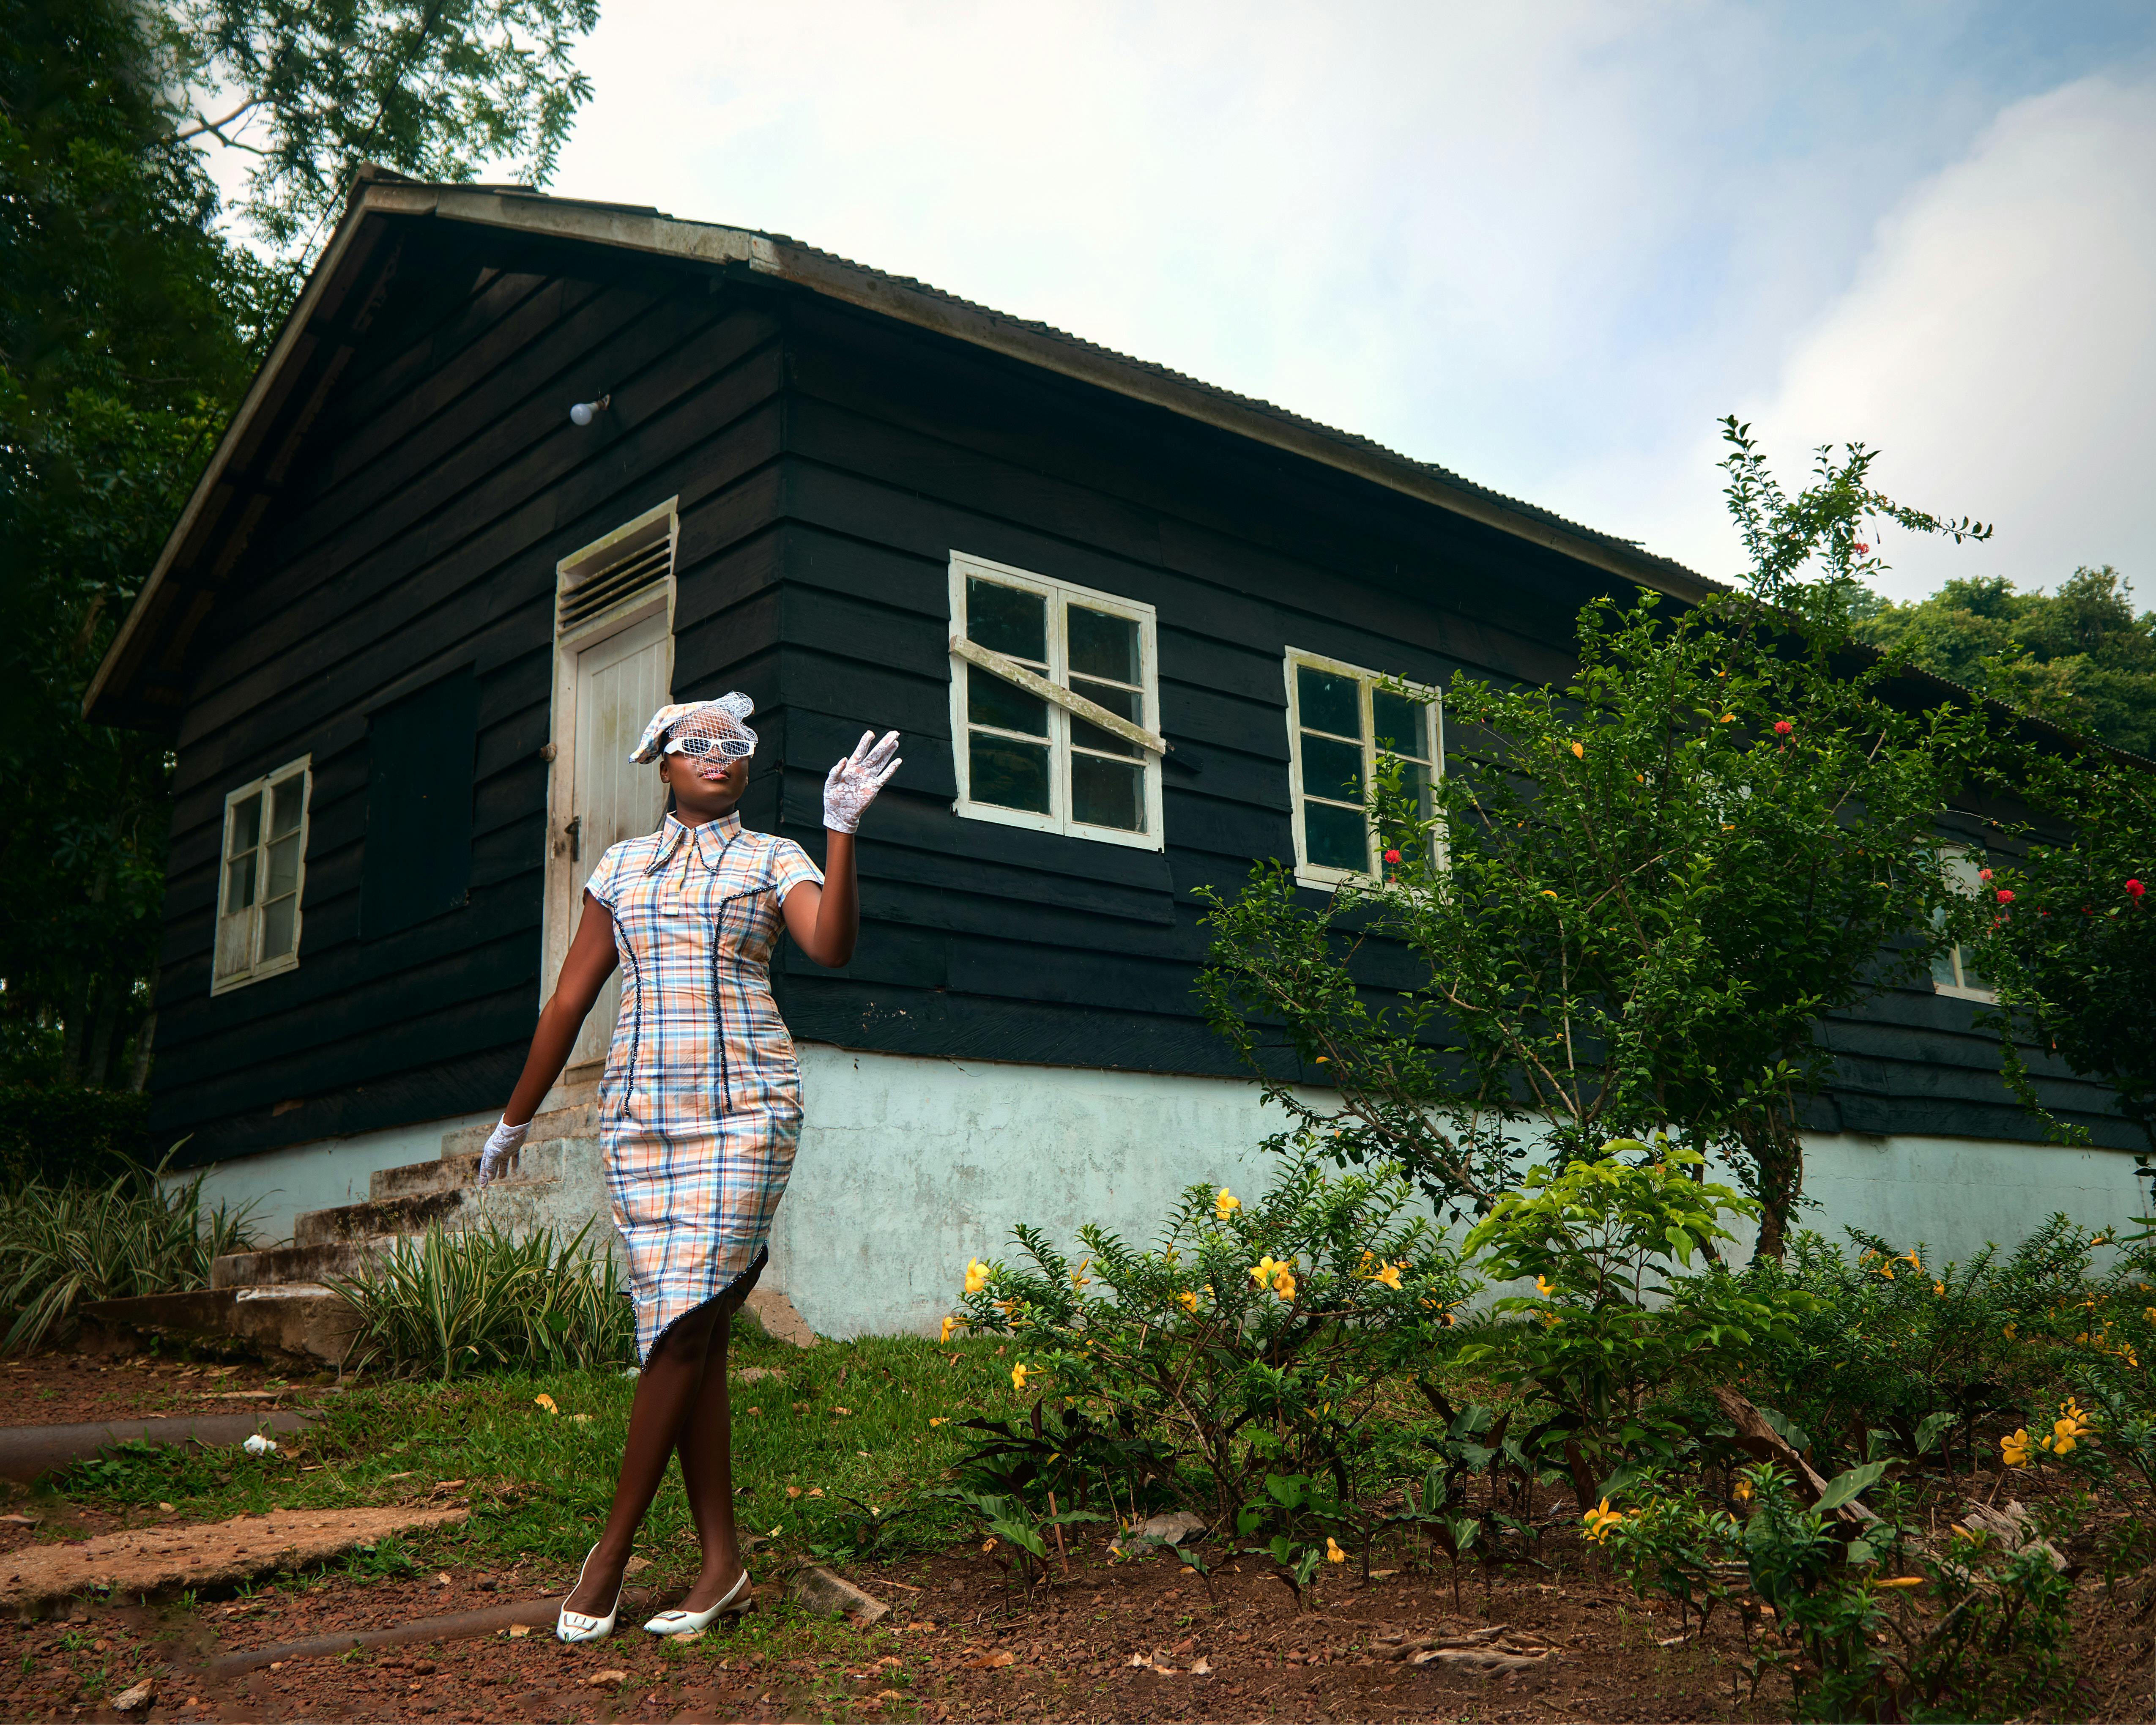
<point>540,1483</point>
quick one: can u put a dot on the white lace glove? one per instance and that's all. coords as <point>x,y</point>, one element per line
<point>504,1142</point>
<point>852,785</point>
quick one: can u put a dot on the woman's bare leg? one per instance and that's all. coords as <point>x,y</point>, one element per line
<point>666,1393</point>
<point>707,1471</point>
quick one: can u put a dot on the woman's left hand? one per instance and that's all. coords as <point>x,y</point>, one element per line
<point>852,785</point>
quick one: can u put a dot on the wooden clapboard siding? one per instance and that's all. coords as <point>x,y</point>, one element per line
<point>439,485</point>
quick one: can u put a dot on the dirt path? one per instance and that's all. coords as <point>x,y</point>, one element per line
<point>74,1388</point>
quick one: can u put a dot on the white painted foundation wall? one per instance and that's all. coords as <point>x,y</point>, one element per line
<point>908,1166</point>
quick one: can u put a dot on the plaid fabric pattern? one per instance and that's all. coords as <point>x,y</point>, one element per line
<point>700,1104</point>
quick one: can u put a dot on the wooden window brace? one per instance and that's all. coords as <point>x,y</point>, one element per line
<point>1091,711</point>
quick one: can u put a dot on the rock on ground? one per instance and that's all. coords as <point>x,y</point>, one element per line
<point>149,1560</point>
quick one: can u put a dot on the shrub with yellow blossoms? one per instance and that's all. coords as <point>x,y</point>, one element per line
<point>1282,1313</point>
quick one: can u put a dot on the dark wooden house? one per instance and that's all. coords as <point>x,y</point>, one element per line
<point>417,611</point>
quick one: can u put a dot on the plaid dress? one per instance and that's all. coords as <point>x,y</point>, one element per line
<point>700,1104</point>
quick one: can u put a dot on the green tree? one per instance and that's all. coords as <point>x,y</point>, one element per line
<point>1636,892</point>
<point>2079,657</point>
<point>2067,934</point>
<point>130,322</point>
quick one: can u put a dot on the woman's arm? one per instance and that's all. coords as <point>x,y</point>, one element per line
<point>826,920</point>
<point>590,961</point>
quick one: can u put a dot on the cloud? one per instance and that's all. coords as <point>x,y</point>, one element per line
<point>1995,344</point>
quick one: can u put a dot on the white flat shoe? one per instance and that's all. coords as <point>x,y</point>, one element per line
<point>573,1626</point>
<point>682,1623</point>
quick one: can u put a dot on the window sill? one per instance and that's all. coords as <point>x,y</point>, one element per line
<point>1988,996</point>
<point>261,972</point>
<point>1048,824</point>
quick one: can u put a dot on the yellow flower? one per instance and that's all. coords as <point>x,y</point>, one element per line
<point>1910,1258</point>
<point>1600,1520</point>
<point>1887,1270</point>
<point>1188,1301</point>
<point>1018,1376</point>
<point>545,1401</point>
<point>1079,1278</point>
<point>1388,1274</point>
<point>1333,1554</point>
<point>1578,753</point>
<point>977,1275</point>
<point>1729,718</point>
<point>1226,1204</point>
<point>1543,1288</point>
<point>949,1325</point>
<point>2008,1333</point>
<point>2014,1449</point>
<point>1743,1491</point>
<point>1547,893</point>
<point>1940,1289</point>
<point>939,1419</point>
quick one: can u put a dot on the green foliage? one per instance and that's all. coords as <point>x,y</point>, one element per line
<point>1638,889</point>
<point>1016,1536</point>
<point>66,1244</point>
<point>130,325</point>
<point>2068,935</point>
<point>1882,1340</point>
<point>1988,1641</point>
<point>483,1299</point>
<point>60,1132</point>
<point>1303,1515</point>
<point>314,89</point>
<point>2079,657</point>
<point>1620,1323</point>
<point>1255,1339</point>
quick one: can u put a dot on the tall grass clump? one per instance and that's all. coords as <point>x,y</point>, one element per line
<point>64,1245</point>
<point>477,1299</point>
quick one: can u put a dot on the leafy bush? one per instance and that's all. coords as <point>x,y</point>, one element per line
<point>64,1133</point>
<point>65,1245</point>
<point>1884,1340</point>
<point>1881,1627</point>
<point>445,1302</point>
<point>1620,1324</point>
<point>1255,1340</point>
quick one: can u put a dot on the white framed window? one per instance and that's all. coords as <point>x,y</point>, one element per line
<point>262,872</point>
<point>1952,971</point>
<point>1055,706</point>
<point>1341,721</point>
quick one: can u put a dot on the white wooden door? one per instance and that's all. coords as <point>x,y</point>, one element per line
<point>619,683</point>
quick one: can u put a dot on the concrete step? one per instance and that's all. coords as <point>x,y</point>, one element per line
<point>538,1160</point>
<point>293,1265</point>
<point>303,1322</point>
<point>577,1116</point>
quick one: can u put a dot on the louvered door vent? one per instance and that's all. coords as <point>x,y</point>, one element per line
<point>586,593</point>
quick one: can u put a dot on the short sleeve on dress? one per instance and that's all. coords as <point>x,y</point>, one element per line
<point>601,884</point>
<point>790,868</point>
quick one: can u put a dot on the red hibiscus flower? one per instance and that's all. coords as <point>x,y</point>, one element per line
<point>2004,896</point>
<point>1391,856</point>
<point>1783,727</point>
<point>2134,889</point>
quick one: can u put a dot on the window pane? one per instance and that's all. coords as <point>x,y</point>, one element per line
<point>1011,775</point>
<point>283,866</point>
<point>246,825</point>
<point>285,801</point>
<point>1970,978</point>
<point>278,916</point>
<point>1006,619</point>
<point>990,700</point>
<point>1414,783</point>
<point>1103,646</point>
<point>1325,702</point>
<point>1331,769</point>
<point>1336,838</point>
<point>1403,725</point>
<point>239,883</point>
<point>233,935</point>
<point>1124,703</point>
<point>1107,794</point>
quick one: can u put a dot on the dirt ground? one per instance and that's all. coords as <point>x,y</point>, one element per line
<point>962,1643</point>
<point>74,1388</point>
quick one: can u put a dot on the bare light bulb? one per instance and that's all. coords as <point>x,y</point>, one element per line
<point>585,412</point>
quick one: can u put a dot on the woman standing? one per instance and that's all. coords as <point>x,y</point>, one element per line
<point>700,1106</point>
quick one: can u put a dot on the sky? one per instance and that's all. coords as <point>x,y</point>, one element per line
<point>1546,246</point>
